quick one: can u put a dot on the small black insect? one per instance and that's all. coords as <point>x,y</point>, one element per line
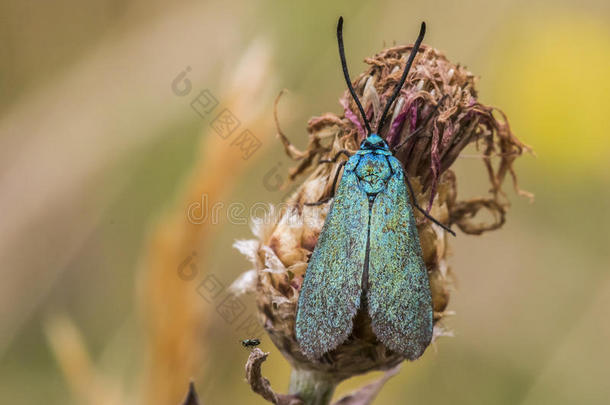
<point>250,343</point>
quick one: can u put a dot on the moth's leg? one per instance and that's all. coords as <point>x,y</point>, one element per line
<point>334,159</point>
<point>411,135</point>
<point>430,217</point>
<point>325,200</point>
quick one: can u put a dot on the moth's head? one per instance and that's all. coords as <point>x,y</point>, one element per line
<point>374,142</point>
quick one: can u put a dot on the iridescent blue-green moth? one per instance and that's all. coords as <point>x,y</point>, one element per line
<point>368,256</point>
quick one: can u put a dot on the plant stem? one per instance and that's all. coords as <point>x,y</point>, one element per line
<point>312,387</point>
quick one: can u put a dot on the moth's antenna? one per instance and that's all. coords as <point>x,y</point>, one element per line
<point>422,32</point>
<point>346,74</point>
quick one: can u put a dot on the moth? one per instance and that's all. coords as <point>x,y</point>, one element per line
<point>368,256</point>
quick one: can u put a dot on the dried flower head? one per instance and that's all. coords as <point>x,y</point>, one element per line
<point>436,116</point>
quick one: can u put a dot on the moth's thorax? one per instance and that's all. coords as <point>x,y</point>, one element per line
<point>373,172</point>
<point>371,165</point>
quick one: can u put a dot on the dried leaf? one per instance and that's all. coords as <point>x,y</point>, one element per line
<point>261,385</point>
<point>366,394</point>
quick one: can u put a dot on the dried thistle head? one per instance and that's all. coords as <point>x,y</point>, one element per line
<point>436,116</point>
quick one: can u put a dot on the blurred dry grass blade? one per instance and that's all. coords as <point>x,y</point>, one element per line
<point>175,315</point>
<point>89,117</point>
<point>87,384</point>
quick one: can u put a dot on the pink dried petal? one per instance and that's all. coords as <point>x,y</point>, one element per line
<point>349,114</point>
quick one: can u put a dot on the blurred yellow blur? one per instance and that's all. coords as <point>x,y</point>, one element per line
<point>555,83</point>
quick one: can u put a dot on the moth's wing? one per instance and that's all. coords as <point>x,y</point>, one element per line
<point>399,298</point>
<point>330,295</point>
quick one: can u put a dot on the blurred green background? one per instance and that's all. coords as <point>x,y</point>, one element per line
<point>95,147</point>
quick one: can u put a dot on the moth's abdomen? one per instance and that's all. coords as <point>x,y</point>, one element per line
<point>373,172</point>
